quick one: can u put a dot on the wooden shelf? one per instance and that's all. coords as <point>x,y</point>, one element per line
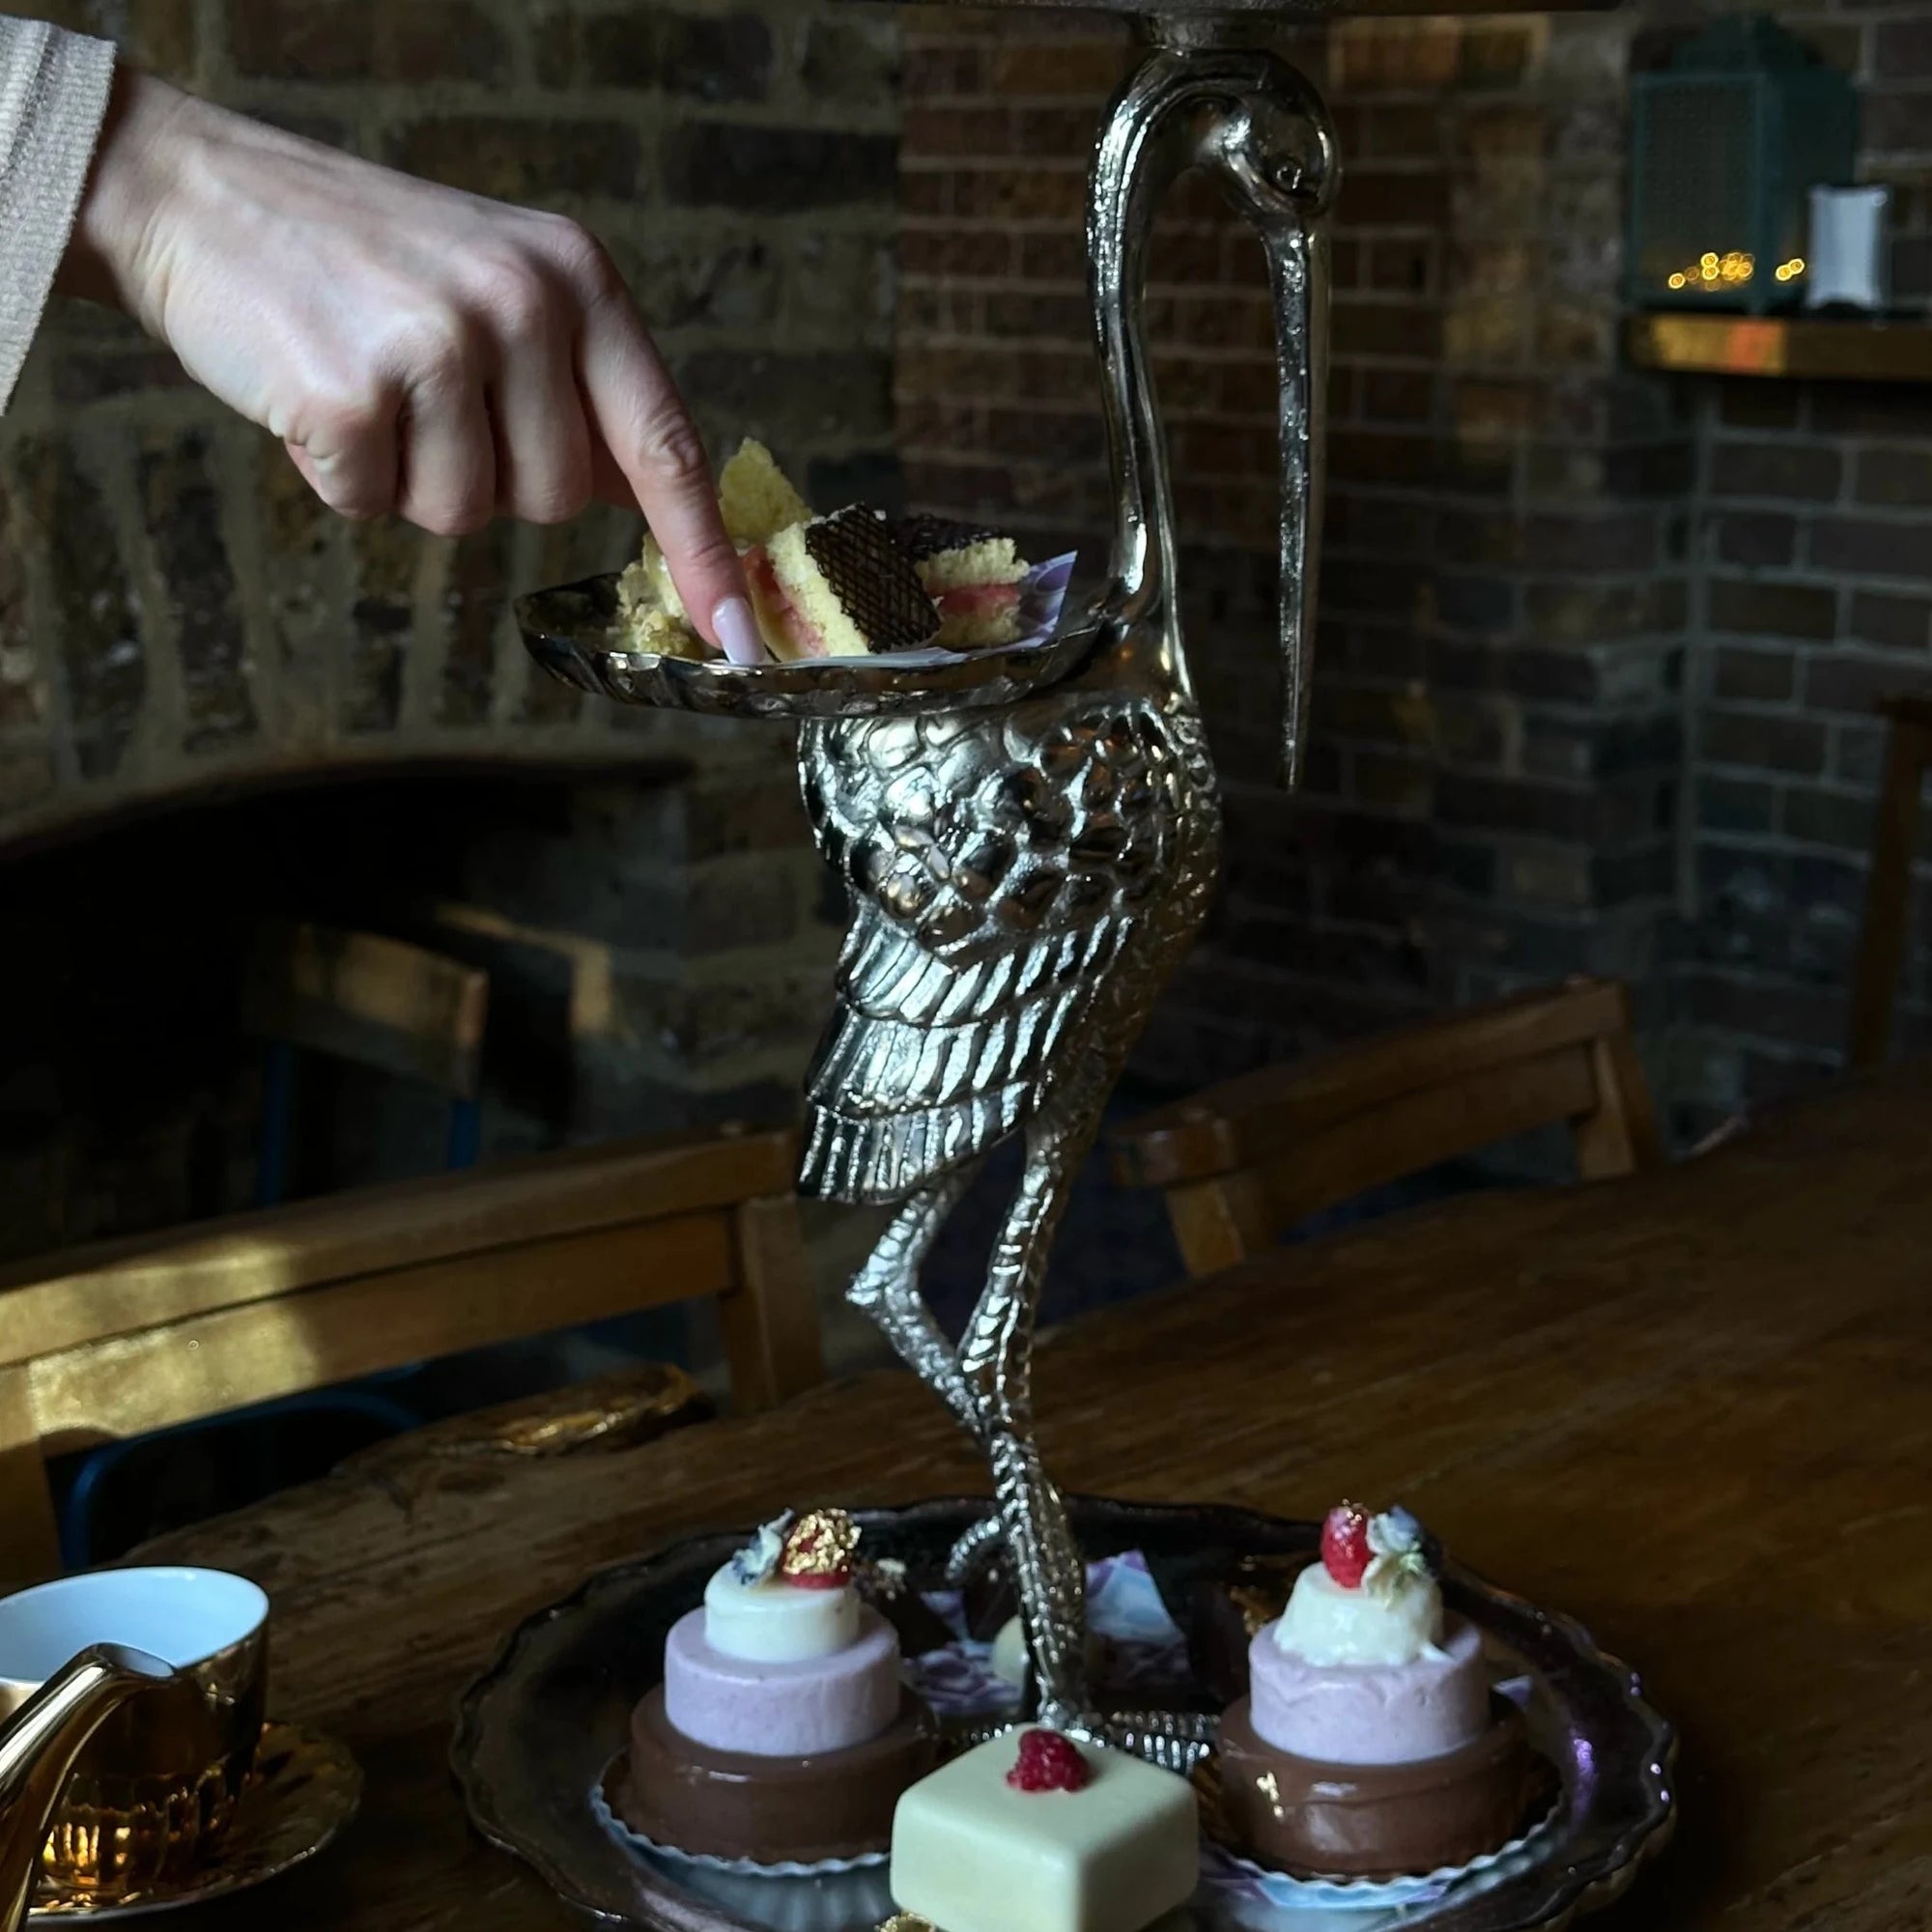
<point>1796,347</point>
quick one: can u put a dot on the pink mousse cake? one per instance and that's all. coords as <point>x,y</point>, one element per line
<point>1368,1743</point>
<point>781,1709</point>
<point>1374,1708</point>
<point>781,1732</point>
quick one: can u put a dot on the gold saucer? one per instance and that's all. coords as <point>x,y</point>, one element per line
<point>305,1788</point>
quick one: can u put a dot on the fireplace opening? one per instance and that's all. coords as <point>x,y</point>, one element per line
<point>132,1094</point>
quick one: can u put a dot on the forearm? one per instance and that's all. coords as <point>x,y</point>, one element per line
<point>419,351</point>
<point>53,94</point>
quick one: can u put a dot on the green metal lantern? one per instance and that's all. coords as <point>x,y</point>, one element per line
<point>1727,144</point>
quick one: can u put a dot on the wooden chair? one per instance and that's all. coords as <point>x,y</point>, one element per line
<point>1889,889</point>
<point>125,1339</point>
<point>370,1002</point>
<point>375,1002</point>
<point>1244,1161</point>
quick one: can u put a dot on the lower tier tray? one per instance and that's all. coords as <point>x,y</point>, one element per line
<point>536,1731</point>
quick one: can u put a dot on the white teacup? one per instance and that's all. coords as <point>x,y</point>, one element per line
<point>157,1784</point>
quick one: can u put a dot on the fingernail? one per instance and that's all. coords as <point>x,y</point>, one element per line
<point>737,632</point>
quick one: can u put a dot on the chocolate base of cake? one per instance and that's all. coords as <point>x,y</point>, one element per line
<point>773,1811</point>
<point>1380,1820</point>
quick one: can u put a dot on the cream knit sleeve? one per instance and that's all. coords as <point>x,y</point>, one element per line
<point>53,95</point>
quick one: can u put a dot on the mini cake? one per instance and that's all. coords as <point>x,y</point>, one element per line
<point>756,499</point>
<point>883,1586</point>
<point>975,577</point>
<point>1034,1832</point>
<point>839,586</point>
<point>781,1732</point>
<point>1368,1744</point>
<point>1012,1663</point>
<point>849,585</point>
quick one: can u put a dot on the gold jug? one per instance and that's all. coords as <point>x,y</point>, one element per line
<point>38,1749</point>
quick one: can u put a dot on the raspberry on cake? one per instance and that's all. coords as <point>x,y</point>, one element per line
<point>975,575</point>
<point>1048,1762</point>
<point>1367,1743</point>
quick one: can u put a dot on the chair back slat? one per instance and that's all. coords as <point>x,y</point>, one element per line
<point>1895,848</point>
<point>137,1336</point>
<point>1246,1159</point>
<point>372,1001</point>
<point>1421,1129</point>
<point>116,1288</point>
<point>238,1357</point>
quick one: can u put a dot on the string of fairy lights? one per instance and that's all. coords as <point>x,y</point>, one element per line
<point>1711,272</point>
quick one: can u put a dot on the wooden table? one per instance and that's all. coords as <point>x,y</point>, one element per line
<point>1694,1409</point>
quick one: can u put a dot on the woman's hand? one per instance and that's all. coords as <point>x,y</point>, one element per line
<point>419,349</point>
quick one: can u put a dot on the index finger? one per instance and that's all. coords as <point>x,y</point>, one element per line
<point>642,419</point>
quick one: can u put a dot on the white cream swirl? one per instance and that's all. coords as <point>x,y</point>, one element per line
<point>1326,1623</point>
<point>776,1622</point>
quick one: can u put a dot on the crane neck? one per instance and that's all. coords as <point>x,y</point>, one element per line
<point>1202,98</point>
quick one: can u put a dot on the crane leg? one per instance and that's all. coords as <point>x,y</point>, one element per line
<point>976,1553</point>
<point>996,1359</point>
<point>887,1289</point>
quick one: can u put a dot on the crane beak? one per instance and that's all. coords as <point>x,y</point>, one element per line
<point>1299,256</point>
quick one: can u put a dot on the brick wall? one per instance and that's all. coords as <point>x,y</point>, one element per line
<point>1595,645</point>
<point>1813,602</point>
<point>176,609</point>
<point>179,618</point>
<point>1815,598</point>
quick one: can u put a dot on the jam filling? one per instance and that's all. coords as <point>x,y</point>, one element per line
<point>798,631</point>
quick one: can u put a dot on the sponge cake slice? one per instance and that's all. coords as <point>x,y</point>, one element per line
<point>840,587</point>
<point>975,577</point>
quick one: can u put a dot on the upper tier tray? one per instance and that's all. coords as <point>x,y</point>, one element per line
<point>574,632</point>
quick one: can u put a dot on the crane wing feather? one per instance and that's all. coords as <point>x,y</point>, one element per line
<point>997,865</point>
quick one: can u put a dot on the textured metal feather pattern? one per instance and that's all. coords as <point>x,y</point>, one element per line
<point>999,865</point>
<point>1025,879</point>
<point>1031,837</point>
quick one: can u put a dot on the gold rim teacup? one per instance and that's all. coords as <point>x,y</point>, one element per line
<point>158,1783</point>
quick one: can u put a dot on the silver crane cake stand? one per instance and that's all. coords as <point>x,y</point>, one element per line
<point>1031,838</point>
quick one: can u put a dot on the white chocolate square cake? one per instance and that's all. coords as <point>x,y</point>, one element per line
<point>976,1851</point>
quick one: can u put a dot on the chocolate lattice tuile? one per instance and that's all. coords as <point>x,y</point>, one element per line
<point>922,537</point>
<point>872,579</point>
